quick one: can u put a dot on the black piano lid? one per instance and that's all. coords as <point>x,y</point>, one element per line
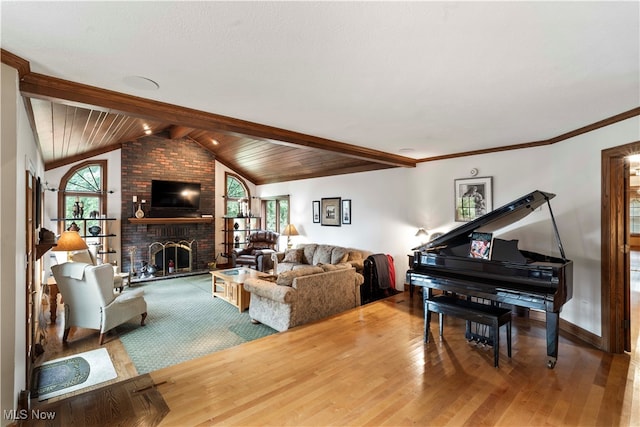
<point>492,221</point>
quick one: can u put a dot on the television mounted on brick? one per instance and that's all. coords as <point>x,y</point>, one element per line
<point>174,198</point>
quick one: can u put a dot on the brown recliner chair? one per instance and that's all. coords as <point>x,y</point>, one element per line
<point>257,253</point>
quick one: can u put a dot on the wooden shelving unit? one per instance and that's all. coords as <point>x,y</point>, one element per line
<point>236,231</point>
<point>101,239</point>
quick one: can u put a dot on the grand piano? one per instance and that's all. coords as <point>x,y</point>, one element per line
<point>511,276</point>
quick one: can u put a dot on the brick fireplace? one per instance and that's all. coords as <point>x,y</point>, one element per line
<point>158,157</point>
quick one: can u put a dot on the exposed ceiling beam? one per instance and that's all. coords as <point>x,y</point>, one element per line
<point>16,62</point>
<point>70,93</point>
<point>177,132</point>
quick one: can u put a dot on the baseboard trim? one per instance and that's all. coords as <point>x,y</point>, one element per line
<point>570,329</point>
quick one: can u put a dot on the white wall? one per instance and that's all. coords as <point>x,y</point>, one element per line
<point>389,206</point>
<point>18,154</point>
<point>379,211</point>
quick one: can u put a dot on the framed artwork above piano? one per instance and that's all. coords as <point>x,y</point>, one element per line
<point>473,198</point>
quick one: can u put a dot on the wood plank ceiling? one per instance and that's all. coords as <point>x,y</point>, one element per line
<point>72,122</point>
<point>70,133</point>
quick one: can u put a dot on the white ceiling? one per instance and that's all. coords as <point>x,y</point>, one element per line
<point>435,77</point>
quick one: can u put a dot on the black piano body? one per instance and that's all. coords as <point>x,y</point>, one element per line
<point>511,276</point>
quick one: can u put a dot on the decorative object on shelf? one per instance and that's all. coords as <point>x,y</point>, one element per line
<point>70,241</point>
<point>290,230</point>
<point>95,230</point>
<point>78,208</point>
<point>237,241</point>
<point>47,236</point>
<point>330,213</point>
<point>140,212</point>
<point>133,206</point>
<point>346,211</point>
<point>316,211</point>
<point>94,214</point>
<point>172,266</point>
<point>73,227</point>
<point>236,226</point>
<point>243,208</point>
<point>473,198</point>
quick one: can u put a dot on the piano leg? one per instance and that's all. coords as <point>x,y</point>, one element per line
<point>427,314</point>
<point>553,333</point>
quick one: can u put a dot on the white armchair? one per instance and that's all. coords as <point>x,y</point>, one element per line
<point>85,256</point>
<point>90,301</point>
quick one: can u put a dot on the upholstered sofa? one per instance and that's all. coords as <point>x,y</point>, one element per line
<point>306,254</point>
<point>303,295</point>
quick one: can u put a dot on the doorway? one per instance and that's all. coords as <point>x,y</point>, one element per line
<point>616,248</point>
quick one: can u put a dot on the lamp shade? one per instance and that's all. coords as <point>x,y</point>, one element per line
<point>290,230</point>
<point>70,241</point>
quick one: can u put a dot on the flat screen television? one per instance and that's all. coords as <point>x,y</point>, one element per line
<point>175,195</point>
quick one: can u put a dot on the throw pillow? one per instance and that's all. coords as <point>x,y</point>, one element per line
<point>354,255</point>
<point>334,267</point>
<point>293,255</point>
<point>339,255</point>
<point>286,278</point>
<point>309,249</point>
<point>322,254</point>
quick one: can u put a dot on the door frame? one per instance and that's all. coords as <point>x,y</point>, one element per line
<point>615,281</point>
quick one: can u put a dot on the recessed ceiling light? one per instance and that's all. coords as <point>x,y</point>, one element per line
<point>139,82</point>
<point>214,142</point>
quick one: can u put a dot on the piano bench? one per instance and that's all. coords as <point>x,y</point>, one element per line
<point>485,314</point>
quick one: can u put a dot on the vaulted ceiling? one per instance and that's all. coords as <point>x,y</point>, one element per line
<point>293,90</point>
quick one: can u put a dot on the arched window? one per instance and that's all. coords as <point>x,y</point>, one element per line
<point>237,195</point>
<point>83,190</point>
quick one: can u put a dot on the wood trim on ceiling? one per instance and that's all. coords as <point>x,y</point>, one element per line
<point>597,125</point>
<point>69,93</point>
<point>82,156</point>
<point>14,61</point>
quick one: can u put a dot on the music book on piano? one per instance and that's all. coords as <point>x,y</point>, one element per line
<point>480,245</point>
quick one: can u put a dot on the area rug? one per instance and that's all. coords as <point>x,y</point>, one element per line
<point>184,321</point>
<point>72,373</point>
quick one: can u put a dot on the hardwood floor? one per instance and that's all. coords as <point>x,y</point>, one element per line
<point>369,366</point>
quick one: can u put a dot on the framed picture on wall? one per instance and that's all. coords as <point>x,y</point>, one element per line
<point>473,198</point>
<point>330,211</point>
<point>316,211</point>
<point>346,211</point>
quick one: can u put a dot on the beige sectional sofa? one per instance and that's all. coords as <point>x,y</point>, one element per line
<point>303,295</point>
<point>307,254</point>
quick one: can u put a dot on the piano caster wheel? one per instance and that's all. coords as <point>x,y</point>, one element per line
<point>551,363</point>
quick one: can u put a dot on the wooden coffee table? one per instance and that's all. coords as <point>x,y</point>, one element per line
<point>228,285</point>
